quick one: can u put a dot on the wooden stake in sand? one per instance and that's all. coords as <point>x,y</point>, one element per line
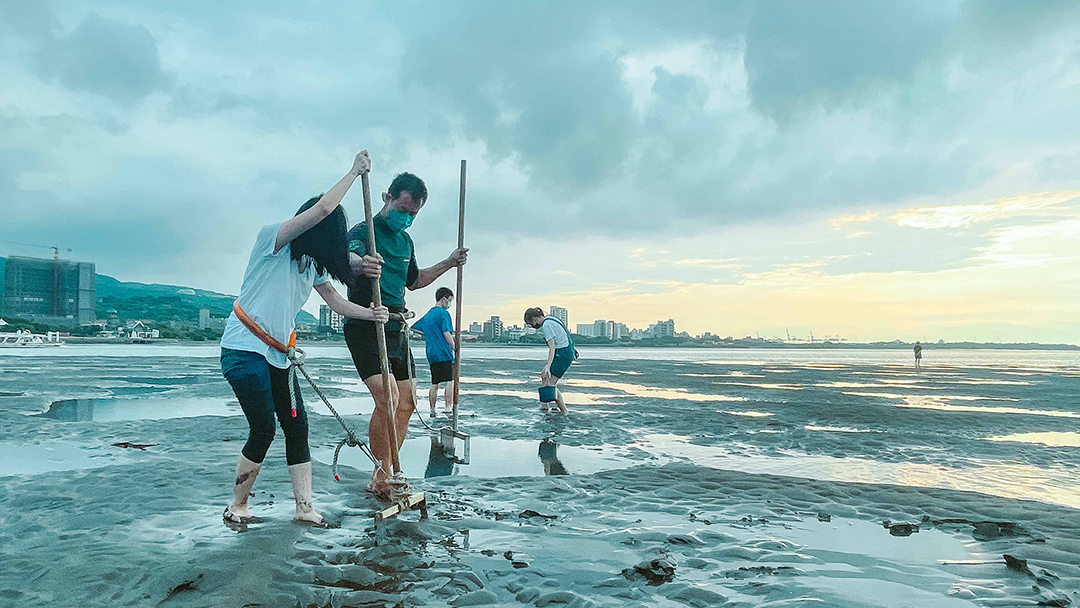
<point>449,434</point>
<point>408,500</point>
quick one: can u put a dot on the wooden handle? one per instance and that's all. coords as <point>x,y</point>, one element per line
<point>380,333</point>
<point>457,297</point>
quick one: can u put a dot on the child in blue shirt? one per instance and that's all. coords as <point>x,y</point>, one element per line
<point>438,332</point>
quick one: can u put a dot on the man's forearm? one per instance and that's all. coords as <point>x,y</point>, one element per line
<point>429,275</point>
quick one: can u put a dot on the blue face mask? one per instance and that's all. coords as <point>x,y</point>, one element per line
<point>398,220</point>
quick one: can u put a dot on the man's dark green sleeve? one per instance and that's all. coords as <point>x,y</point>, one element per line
<point>358,239</point>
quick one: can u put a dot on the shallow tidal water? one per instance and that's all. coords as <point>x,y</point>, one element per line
<point>764,476</point>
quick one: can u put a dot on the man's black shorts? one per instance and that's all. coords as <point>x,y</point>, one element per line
<point>442,371</point>
<point>360,337</point>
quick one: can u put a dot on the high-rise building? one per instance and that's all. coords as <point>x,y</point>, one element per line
<point>330,320</point>
<point>53,292</point>
<point>601,329</point>
<point>586,329</point>
<point>619,330</point>
<point>204,318</point>
<point>493,329</point>
<point>560,313</point>
<point>476,328</point>
<point>664,329</point>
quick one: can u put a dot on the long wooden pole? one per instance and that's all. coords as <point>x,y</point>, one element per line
<point>457,296</point>
<point>380,334</point>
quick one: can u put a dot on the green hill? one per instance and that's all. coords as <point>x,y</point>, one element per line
<point>161,303</point>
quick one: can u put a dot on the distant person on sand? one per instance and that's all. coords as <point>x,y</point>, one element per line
<point>438,332</point>
<point>395,265</point>
<point>918,356</point>
<point>561,353</point>
<point>288,259</point>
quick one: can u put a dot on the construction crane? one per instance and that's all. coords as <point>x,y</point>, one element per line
<point>56,249</point>
<point>55,300</point>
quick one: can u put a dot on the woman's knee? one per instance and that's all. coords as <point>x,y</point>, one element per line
<point>258,443</point>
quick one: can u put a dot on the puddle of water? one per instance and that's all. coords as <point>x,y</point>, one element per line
<point>839,429</point>
<point>746,414</point>
<point>118,410</point>
<point>492,458</point>
<point>638,390</point>
<point>1052,484</point>
<point>727,375</point>
<point>1055,439</point>
<point>468,380</point>
<point>571,398</point>
<point>31,459</point>
<point>929,403</point>
<point>990,382</point>
<point>940,403</point>
<point>933,397</point>
<point>846,385</point>
<point>778,387</point>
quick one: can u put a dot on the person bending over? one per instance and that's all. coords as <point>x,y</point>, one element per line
<point>395,265</point>
<point>438,332</point>
<point>288,260</point>
<point>561,353</point>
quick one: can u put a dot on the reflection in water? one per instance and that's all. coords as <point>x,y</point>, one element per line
<point>1056,439</point>
<point>1052,484</point>
<point>470,380</point>
<point>440,463</point>
<point>117,410</point>
<point>638,390</point>
<point>769,385</point>
<point>931,397</point>
<point>549,457</point>
<point>71,410</point>
<point>571,398</point>
<point>839,429</point>
<point>940,403</point>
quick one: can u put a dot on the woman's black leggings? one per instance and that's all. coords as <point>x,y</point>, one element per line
<point>263,391</point>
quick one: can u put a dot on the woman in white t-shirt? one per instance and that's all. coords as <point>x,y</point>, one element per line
<point>288,260</point>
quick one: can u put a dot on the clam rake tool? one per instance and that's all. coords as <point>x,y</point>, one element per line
<point>449,435</point>
<point>401,503</point>
<point>296,359</point>
<point>401,495</point>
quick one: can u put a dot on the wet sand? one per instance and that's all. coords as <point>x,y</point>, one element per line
<point>678,480</point>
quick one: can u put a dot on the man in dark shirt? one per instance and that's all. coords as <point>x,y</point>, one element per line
<point>395,266</point>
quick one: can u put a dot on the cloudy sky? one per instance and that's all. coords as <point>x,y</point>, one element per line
<point>873,170</point>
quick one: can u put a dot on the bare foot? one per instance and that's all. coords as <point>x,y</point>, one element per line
<point>239,516</point>
<point>306,514</point>
<point>241,511</point>
<point>379,490</point>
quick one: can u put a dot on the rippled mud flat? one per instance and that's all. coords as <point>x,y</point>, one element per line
<point>680,478</point>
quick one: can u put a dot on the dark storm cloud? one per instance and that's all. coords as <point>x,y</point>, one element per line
<point>801,54</point>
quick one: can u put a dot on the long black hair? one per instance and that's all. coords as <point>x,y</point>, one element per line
<point>325,244</point>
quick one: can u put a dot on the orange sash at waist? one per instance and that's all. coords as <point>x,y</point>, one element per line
<point>260,333</point>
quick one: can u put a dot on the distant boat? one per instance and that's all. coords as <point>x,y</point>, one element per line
<point>26,339</point>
